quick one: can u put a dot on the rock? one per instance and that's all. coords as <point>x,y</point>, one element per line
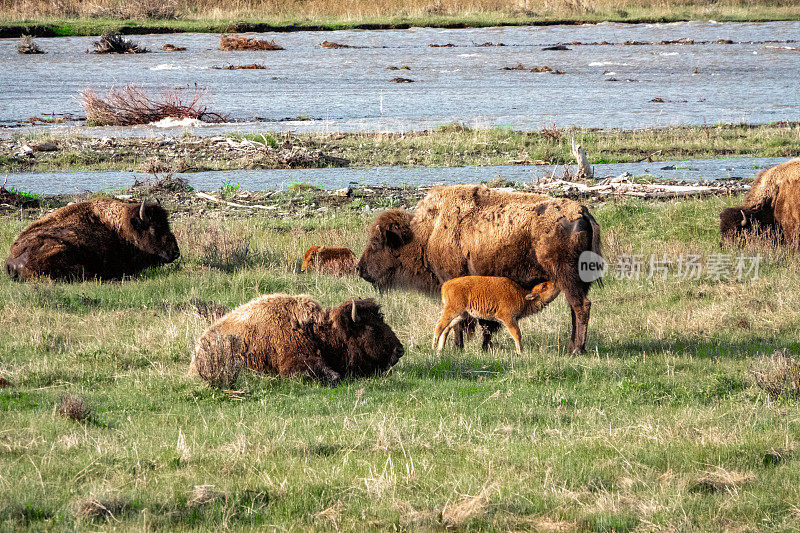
<point>26,150</point>
<point>48,146</point>
<point>556,47</point>
<point>347,191</point>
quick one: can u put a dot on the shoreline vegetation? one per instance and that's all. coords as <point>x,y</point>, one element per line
<point>74,18</point>
<point>451,145</point>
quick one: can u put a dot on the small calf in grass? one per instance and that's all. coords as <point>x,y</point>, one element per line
<point>338,261</point>
<point>490,298</point>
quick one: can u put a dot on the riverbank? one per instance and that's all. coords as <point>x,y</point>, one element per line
<point>81,18</point>
<point>450,146</point>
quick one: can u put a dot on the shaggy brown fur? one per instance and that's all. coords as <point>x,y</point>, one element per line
<point>288,335</point>
<point>772,205</point>
<point>336,261</point>
<point>473,230</point>
<point>103,238</point>
<point>489,298</point>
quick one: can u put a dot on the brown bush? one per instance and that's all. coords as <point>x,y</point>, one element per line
<point>219,360</point>
<point>553,132</point>
<point>777,374</point>
<point>74,408</point>
<point>112,42</point>
<point>130,105</point>
<point>236,42</point>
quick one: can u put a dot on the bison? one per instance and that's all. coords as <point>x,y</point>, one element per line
<point>336,261</point>
<point>771,205</point>
<point>489,298</point>
<point>295,335</point>
<point>102,238</point>
<point>466,230</point>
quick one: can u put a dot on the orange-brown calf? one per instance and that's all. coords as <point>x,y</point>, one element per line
<point>337,261</point>
<point>490,298</point>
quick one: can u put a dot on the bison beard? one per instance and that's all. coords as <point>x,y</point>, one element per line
<point>473,230</point>
<point>771,207</point>
<point>103,238</point>
<point>294,335</point>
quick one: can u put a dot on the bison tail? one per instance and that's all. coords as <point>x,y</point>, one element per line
<point>596,242</point>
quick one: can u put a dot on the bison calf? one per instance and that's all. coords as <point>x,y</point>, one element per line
<point>490,298</point>
<point>103,238</point>
<point>295,335</point>
<point>337,261</point>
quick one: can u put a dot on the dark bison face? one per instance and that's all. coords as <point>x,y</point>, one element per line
<point>152,234</point>
<point>382,259</point>
<point>735,221</point>
<point>371,345</point>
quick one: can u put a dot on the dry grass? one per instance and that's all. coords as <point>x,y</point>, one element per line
<point>112,42</point>
<point>208,311</point>
<point>237,42</point>
<point>107,508</point>
<point>219,360</point>
<point>74,408</point>
<point>130,105</point>
<point>203,495</point>
<point>777,374</point>
<point>26,45</point>
<point>720,480</point>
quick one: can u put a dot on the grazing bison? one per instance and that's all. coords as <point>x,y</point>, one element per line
<point>336,261</point>
<point>771,205</point>
<point>467,230</point>
<point>102,238</point>
<point>288,335</point>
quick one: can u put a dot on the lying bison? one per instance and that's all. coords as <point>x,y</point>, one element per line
<point>294,335</point>
<point>473,230</point>
<point>336,261</point>
<point>772,205</point>
<point>103,238</point>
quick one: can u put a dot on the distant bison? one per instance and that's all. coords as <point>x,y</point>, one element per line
<point>329,260</point>
<point>771,205</point>
<point>473,230</point>
<point>103,238</point>
<point>295,335</point>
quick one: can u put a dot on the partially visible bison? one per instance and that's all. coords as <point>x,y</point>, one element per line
<point>337,261</point>
<point>772,205</point>
<point>102,238</point>
<point>295,335</point>
<point>467,230</point>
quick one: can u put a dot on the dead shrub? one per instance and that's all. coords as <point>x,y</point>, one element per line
<point>236,42</point>
<point>74,408</point>
<point>26,45</point>
<point>154,183</point>
<point>172,48</point>
<point>107,508</point>
<point>543,68</point>
<point>777,374</point>
<point>553,132</point>
<point>112,42</point>
<point>130,105</point>
<point>252,66</point>
<point>218,360</point>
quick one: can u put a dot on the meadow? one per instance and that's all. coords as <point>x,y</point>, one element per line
<point>659,427</point>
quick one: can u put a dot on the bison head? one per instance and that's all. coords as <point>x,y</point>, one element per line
<point>370,345</point>
<point>393,257</point>
<point>310,257</point>
<point>735,221</point>
<point>151,232</point>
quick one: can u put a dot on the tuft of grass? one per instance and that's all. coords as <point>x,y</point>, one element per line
<point>218,360</point>
<point>777,374</point>
<point>74,407</point>
<point>300,187</point>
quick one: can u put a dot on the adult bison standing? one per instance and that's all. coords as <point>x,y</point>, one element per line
<point>772,205</point>
<point>473,230</point>
<point>102,238</point>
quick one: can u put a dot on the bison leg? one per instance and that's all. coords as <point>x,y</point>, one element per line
<point>488,327</point>
<point>454,323</point>
<point>317,369</point>
<point>580,306</point>
<point>441,326</point>
<point>513,328</point>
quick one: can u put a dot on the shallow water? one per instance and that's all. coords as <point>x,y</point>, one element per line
<point>334,178</point>
<point>350,89</point>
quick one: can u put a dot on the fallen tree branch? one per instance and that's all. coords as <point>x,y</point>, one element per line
<point>233,204</point>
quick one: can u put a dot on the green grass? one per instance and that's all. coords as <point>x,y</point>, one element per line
<point>624,438</point>
<point>450,145</point>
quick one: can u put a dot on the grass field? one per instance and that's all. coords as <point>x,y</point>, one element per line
<point>450,145</point>
<point>658,427</point>
<point>73,17</point>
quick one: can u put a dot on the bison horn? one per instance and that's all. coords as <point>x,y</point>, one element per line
<point>744,219</point>
<point>353,312</point>
<point>141,210</point>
